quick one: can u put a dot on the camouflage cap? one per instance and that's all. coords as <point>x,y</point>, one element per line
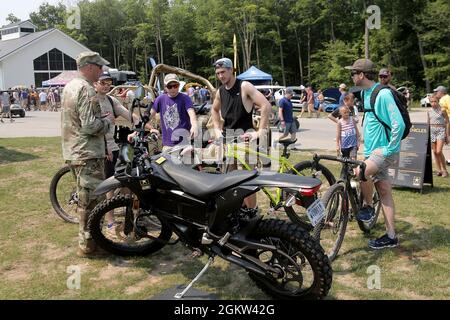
<point>90,57</point>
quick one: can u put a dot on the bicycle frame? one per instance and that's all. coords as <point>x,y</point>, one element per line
<point>349,193</point>
<point>233,151</point>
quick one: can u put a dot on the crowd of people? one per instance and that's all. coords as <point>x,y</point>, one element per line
<point>30,99</point>
<point>88,115</point>
<point>198,94</point>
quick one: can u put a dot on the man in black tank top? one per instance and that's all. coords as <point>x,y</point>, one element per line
<point>235,102</point>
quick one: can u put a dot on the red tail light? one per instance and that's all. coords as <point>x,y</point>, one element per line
<point>309,192</point>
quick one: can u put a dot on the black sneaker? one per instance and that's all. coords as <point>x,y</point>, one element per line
<point>366,214</point>
<point>383,242</point>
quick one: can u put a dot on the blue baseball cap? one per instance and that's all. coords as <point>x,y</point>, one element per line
<point>223,63</point>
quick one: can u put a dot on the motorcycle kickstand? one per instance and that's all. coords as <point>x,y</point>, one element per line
<point>180,295</point>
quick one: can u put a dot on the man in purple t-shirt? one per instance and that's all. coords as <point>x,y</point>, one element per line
<point>178,119</point>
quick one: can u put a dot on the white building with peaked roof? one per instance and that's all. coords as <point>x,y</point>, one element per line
<point>28,57</point>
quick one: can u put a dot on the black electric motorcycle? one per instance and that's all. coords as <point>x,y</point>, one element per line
<point>170,202</point>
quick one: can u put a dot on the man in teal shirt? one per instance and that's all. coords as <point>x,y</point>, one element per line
<point>381,147</point>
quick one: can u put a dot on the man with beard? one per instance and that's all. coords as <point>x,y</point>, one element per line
<point>380,148</point>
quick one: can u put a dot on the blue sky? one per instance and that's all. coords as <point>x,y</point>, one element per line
<point>23,8</point>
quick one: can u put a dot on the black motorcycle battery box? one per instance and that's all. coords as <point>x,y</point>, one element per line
<point>183,205</point>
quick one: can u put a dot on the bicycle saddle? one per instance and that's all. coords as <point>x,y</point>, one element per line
<point>287,142</point>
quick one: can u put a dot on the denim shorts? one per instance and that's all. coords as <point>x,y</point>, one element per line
<point>383,163</point>
<point>290,127</point>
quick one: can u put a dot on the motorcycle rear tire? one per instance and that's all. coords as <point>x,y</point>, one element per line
<point>294,235</point>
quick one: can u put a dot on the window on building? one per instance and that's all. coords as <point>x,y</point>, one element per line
<point>9,31</point>
<point>54,74</point>
<point>54,62</point>
<point>69,63</point>
<point>31,30</point>
<point>39,77</point>
<point>56,59</point>
<point>41,63</point>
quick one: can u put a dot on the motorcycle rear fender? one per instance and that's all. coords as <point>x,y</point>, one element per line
<point>282,180</point>
<point>107,185</point>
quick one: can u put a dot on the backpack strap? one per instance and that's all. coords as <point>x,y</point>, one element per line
<point>112,105</point>
<point>373,98</point>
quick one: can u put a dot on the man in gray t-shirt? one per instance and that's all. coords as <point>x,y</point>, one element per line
<point>6,105</point>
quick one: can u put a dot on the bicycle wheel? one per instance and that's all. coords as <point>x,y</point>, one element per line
<point>296,213</point>
<point>331,230</point>
<point>369,225</point>
<point>63,195</point>
<point>305,168</point>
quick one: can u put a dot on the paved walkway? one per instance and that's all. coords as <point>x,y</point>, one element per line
<point>315,134</point>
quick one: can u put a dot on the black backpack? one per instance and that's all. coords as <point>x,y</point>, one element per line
<point>402,106</point>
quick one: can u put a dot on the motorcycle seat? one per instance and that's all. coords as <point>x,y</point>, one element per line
<point>204,185</point>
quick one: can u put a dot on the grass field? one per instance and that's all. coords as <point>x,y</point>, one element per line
<point>37,247</point>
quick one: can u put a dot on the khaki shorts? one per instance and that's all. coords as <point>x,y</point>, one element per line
<point>383,163</point>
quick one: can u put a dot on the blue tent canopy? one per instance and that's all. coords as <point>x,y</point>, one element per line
<point>254,74</point>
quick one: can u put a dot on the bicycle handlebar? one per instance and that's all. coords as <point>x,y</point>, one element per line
<point>343,160</point>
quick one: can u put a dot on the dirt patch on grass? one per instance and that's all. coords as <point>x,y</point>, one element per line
<point>417,223</point>
<point>405,294</point>
<point>52,252</point>
<point>348,280</point>
<point>111,272</point>
<point>16,272</point>
<point>142,285</point>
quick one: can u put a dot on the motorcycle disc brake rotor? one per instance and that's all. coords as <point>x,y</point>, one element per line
<point>146,224</point>
<point>290,278</point>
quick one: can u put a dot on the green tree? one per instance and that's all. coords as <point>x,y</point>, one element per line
<point>337,54</point>
<point>11,18</point>
<point>435,36</point>
<point>49,16</point>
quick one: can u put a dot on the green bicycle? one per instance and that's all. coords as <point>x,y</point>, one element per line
<point>235,153</point>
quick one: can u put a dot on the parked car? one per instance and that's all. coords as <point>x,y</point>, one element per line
<point>425,101</point>
<point>277,92</point>
<point>331,99</point>
<point>296,98</point>
<point>271,93</point>
<point>17,110</point>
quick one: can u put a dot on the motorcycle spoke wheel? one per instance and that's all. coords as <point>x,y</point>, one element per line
<point>302,269</point>
<point>130,235</point>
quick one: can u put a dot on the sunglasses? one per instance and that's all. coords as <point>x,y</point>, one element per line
<point>105,83</point>
<point>383,77</point>
<point>354,72</point>
<point>170,86</point>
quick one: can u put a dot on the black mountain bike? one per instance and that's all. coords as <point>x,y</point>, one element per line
<point>342,201</point>
<point>63,195</point>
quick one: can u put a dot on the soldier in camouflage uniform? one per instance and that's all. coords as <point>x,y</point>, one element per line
<point>83,137</point>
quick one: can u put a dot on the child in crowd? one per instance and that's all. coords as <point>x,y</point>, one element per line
<point>438,120</point>
<point>349,102</point>
<point>347,137</point>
